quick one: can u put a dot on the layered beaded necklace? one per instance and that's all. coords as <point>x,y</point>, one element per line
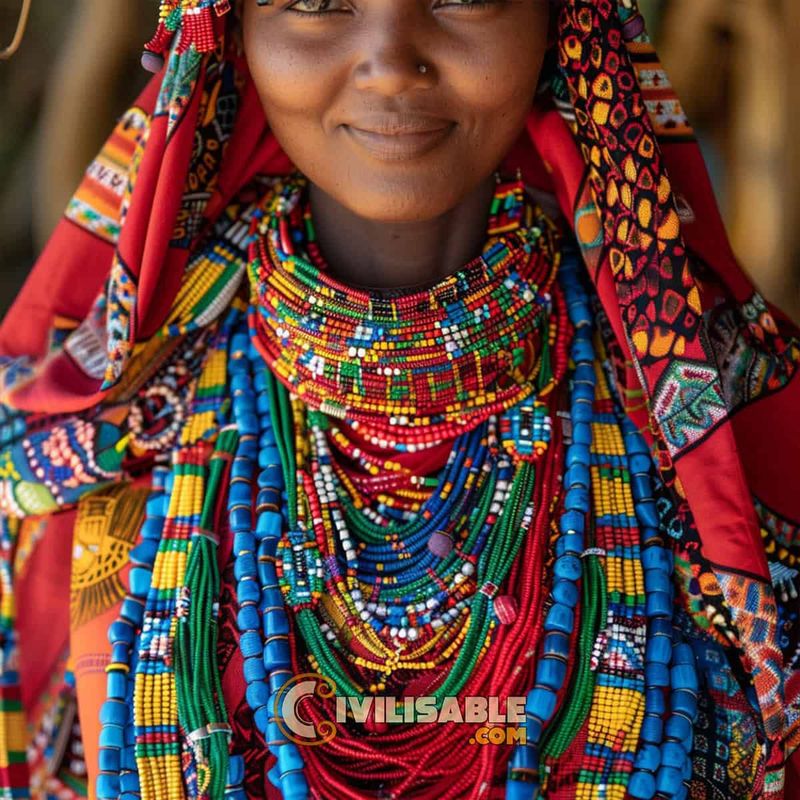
<point>406,565</point>
<point>406,527</point>
<point>414,370</point>
<point>393,573</point>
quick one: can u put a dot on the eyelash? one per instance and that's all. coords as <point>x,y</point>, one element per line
<point>470,6</point>
<point>309,13</point>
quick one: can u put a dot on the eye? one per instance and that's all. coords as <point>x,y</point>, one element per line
<point>310,8</point>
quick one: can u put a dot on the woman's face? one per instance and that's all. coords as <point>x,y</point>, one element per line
<point>398,109</point>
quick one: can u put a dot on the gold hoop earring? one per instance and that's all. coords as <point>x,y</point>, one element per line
<point>22,24</point>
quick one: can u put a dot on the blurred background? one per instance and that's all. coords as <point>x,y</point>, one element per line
<point>735,64</point>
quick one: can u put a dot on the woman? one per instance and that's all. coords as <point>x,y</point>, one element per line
<point>493,414</point>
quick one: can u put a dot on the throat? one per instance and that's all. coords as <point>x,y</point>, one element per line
<point>392,256</point>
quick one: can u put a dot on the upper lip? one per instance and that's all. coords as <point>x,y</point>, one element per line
<point>399,124</point>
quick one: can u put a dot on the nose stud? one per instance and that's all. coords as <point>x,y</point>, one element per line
<point>422,68</point>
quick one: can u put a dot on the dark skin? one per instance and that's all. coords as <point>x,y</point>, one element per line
<point>398,112</point>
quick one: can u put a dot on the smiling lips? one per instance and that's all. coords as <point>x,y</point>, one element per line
<point>399,137</point>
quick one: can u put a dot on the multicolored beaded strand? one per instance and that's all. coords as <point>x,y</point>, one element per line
<point>118,776</point>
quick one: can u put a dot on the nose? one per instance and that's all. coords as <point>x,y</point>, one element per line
<point>390,61</point>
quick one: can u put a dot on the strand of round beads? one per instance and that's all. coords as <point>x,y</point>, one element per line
<point>118,776</point>
<point>267,665</point>
<point>551,671</point>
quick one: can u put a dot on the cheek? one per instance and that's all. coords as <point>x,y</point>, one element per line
<point>501,82</point>
<point>295,82</point>
<point>498,79</point>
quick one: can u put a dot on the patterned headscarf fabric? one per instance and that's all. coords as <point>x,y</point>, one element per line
<point>706,367</point>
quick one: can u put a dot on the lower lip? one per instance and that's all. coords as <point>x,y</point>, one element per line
<point>402,147</point>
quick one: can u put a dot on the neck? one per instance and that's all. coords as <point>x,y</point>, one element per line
<point>387,255</point>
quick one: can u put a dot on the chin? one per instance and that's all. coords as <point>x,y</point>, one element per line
<point>409,196</point>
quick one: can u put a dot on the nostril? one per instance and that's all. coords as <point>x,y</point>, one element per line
<point>393,72</point>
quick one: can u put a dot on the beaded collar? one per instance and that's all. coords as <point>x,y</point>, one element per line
<point>421,366</point>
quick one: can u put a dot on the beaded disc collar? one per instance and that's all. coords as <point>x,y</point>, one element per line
<point>476,336</point>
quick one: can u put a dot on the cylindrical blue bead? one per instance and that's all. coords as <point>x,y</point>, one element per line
<point>257,694</point>
<point>647,513</point>
<point>248,618</point>
<point>684,676</point>
<point>245,564</point>
<point>108,759</point>
<point>642,786</point>
<point>111,736</point>
<point>250,644</point>
<point>114,712</point>
<point>569,543</point>
<point>560,618</point>
<point>541,703</point>
<point>289,758</point>
<point>568,567</point>
<point>276,623</point>
<point>658,648</point>
<point>244,541</point>
<point>116,685</point>
<point>684,702</point>
<point>235,770</point>
<point>652,729</point>
<point>551,672</point>
<point>276,654</point>
<point>144,552</point>
<point>107,786</point>
<point>254,669</point>
<point>525,758</point>
<point>655,701</point>
<point>658,604</point>
<point>294,786</point>
<point>656,674</point>
<point>672,755</point>
<point>668,780</point>
<point>557,644</point>
<point>565,592</point>
<point>573,522</point>
<point>247,591</point>
<point>240,519</point>
<point>139,578</point>
<point>648,758</point>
